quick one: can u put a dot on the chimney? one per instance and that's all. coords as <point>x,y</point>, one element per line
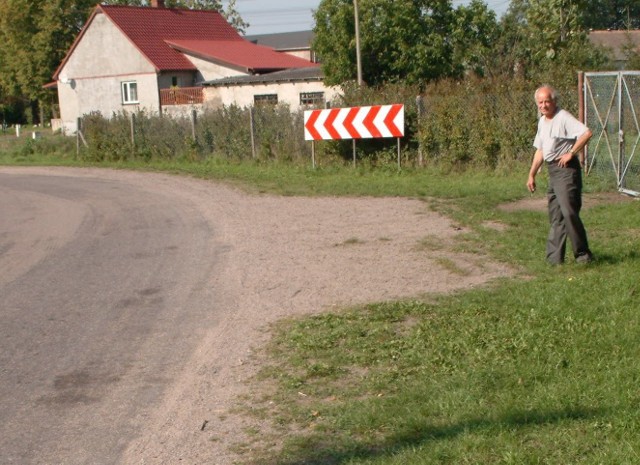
<point>157,3</point>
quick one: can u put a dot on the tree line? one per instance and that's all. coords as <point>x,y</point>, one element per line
<point>416,42</point>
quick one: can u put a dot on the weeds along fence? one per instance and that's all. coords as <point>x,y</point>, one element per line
<point>482,123</point>
<point>230,132</point>
<point>457,124</point>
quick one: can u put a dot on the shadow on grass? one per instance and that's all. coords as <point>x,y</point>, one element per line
<point>615,259</point>
<point>321,452</point>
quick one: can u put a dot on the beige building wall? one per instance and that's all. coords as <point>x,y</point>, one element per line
<point>304,54</point>
<point>91,79</point>
<point>208,71</point>
<point>243,96</point>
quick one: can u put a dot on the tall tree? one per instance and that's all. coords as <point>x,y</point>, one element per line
<point>612,14</point>
<point>546,40</point>
<point>475,33</point>
<point>406,40</point>
<point>35,37</point>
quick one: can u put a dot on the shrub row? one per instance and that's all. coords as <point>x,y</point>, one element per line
<point>471,123</point>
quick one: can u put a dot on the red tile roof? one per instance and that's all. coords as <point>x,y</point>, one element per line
<point>240,54</point>
<point>152,30</point>
<point>148,28</point>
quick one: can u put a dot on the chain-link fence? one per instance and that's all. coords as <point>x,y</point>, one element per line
<point>612,112</point>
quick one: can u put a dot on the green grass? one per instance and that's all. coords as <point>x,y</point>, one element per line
<point>538,369</point>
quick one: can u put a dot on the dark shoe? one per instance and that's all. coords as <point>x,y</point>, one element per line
<point>584,258</point>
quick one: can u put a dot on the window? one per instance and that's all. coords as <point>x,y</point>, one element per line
<point>174,81</point>
<point>311,98</point>
<point>265,99</point>
<point>130,92</point>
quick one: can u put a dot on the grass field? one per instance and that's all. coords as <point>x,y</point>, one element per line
<point>542,368</point>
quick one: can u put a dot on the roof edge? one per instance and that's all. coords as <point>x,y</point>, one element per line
<point>209,58</point>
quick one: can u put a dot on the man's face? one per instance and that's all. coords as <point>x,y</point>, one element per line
<point>546,105</point>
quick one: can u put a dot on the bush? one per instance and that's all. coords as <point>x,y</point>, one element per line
<point>480,123</point>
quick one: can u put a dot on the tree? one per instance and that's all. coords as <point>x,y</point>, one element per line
<point>475,34</point>
<point>546,40</point>
<point>400,40</point>
<point>612,14</point>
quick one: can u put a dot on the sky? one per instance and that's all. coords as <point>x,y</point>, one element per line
<point>271,16</point>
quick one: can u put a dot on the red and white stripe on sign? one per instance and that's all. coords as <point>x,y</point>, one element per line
<point>354,123</point>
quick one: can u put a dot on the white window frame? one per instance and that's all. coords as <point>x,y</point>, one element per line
<point>125,87</point>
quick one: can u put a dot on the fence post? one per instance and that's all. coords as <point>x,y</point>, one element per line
<point>252,129</point>
<point>354,152</point>
<point>133,133</point>
<point>581,116</point>
<point>419,105</point>
<point>78,129</point>
<point>193,123</point>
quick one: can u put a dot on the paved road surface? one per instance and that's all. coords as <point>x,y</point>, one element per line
<point>102,298</point>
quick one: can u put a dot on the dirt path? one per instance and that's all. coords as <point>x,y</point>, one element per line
<point>284,256</point>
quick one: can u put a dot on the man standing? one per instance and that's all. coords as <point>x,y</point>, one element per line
<point>559,140</point>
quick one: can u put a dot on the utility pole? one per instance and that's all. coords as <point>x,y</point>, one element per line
<point>358,60</point>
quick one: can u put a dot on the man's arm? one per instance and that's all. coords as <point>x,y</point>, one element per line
<point>535,167</point>
<point>576,149</point>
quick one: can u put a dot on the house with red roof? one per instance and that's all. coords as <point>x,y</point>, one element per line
<point>619,45</point>
<point>168,60</point>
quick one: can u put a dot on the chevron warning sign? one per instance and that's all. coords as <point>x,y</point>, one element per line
<point>354,123</point>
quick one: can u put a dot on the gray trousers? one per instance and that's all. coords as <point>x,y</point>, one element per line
<point>565,201</point>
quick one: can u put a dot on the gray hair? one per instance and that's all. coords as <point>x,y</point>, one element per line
<point>552,92</point>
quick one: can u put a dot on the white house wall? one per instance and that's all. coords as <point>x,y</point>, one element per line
<point>304,54</point>
<point>91,78</point>
<point>208,71</point>
<point>243,96</point>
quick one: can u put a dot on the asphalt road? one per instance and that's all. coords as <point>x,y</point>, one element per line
<point>103,295</point>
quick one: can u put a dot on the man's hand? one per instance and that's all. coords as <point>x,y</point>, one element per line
<point>565,159</point>
<point>531,184</point>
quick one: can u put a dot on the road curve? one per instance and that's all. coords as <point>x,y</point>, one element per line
<point>132,304</point>
<point>104,294</point>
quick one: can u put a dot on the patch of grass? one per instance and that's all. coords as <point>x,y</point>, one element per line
<point>351,241</point>
<point>451,266</point>
<point>535,371</point>
<point>430,243</point>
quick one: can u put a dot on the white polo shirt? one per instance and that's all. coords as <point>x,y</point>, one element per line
<point>557,136</point>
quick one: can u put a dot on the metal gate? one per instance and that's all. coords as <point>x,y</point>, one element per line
<point>612,112</point>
